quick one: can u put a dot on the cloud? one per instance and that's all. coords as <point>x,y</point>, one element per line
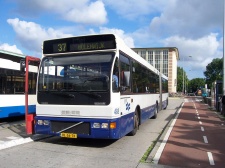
<point>31,35</point>
<point>82,11</point>
<point>133,9</point>
<point>10,48</point>
<point>202,51</point>
<point>189,18</point>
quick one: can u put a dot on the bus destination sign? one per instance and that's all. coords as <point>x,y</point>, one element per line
<point>77,44</point>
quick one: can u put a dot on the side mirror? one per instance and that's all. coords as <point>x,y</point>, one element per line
<point>22,65</point>
<point>127,78</point>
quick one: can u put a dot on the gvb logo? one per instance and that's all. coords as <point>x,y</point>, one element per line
<point>116,111</point>
<point>127,106</point>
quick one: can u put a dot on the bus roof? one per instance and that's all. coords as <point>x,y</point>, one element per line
<point>15,57</point>
<point>97,42</point>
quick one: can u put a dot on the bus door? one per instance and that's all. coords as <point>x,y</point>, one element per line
<point>125,88</point>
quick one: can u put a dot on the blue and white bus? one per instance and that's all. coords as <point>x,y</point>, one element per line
<point>12,86</point>
<point>96,87</point>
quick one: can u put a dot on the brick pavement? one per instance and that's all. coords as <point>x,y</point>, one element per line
<point>197,139</point>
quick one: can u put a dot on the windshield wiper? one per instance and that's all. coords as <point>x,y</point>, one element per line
<point>91,94</point>
<point>64,94</point>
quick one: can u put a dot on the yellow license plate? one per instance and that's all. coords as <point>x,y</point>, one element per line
<point>68,135</point>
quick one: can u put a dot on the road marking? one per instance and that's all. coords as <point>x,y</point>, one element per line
<point>200,122</point>
<point>205,139</point>
<point>163,144</point>
<point>196,111</point>
<point>15,142</point>
<point>202,128</point>
<point>210,156</point>
<point>197,114</point>
<point>199,118</point>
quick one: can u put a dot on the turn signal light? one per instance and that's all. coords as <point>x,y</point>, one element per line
<point>113,125</point>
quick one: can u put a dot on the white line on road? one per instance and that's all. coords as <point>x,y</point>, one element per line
<point>163,144</point>
<point>199,118</point>
<point>205,139</point>
<point>202,128</point>
<point>200,122</point>
<point>210,156</point>
<point>14,142</point>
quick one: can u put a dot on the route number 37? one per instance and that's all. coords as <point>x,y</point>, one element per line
<point>62,47</point>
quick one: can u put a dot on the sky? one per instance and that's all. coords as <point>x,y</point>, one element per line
<point>195,27</point>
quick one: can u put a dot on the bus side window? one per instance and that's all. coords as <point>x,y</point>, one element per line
<point>124,73</point>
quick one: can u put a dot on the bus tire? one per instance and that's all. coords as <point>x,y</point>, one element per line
<point>166,104</point>
<point>136,124</point>
<point>156,111</point>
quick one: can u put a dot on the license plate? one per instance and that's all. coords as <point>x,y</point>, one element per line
<point>68,135</point>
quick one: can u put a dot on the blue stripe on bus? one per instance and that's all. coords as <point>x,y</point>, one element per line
<point>124,125</point>
<point>12,111</point>
<point>147,113</point>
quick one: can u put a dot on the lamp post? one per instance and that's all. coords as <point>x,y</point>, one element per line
<point>183,75</point>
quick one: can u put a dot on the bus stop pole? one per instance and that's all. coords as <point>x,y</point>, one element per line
<point>28,129</point>
<point>29,117</point>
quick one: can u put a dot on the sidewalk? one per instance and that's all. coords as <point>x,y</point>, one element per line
<point>195,139</point>
<point>13,135</point>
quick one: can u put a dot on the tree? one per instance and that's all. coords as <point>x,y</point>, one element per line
<point>195,84</point>
<point>181,77</point>
<point>214,71</point>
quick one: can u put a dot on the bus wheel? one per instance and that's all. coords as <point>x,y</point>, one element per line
<point>136,124</point>
<point>166,103</point>
<point>156,112</point>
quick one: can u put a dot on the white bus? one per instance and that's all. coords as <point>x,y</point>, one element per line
<point>95,87</point>
<point>12,86</point>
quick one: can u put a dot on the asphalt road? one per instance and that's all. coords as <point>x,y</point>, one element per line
<point>69,153</point>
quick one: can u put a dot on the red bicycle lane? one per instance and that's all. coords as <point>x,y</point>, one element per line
<point>197,139</point>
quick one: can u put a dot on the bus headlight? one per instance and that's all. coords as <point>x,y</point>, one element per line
<point>101,125</point>
<point>40,122</point>
<point>45,122</point>
<point>96,125</point>
<point>105,125</point>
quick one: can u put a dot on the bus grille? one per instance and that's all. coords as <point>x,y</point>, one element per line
<point>58,126</point>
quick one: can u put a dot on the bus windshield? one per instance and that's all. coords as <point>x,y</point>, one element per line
<point>75,73</point>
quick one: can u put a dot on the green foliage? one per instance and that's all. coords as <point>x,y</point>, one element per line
<point>214,71</point>
<point>196,84</point>
<point>182,79</point>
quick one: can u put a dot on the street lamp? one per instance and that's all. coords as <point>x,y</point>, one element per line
<point>183,74</point>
